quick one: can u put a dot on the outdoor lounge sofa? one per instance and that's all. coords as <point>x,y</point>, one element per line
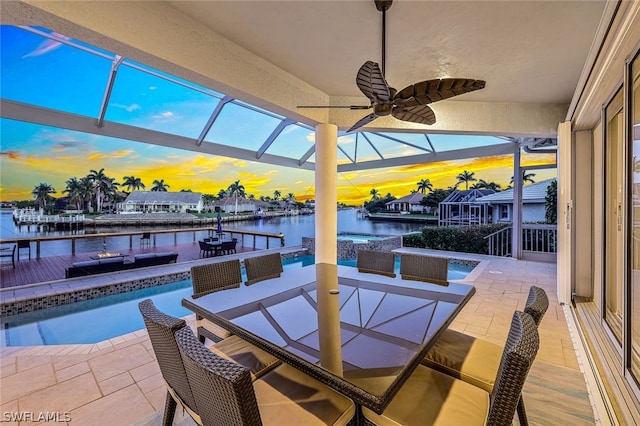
<point>114,264</point>
<point>153,259</point>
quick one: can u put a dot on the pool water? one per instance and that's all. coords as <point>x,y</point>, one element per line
<point>359,238</point>
<point>100,319</point>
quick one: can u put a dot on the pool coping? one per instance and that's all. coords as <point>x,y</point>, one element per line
<point>32,297</point>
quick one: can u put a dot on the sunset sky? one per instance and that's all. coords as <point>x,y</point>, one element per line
<point>36,70</point>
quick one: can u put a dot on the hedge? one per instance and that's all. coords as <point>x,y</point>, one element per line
<point>470,239</point>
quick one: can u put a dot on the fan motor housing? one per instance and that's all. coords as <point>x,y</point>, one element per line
<point>383,5</point>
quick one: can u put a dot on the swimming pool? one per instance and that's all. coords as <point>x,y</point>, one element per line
<point>100,319</point>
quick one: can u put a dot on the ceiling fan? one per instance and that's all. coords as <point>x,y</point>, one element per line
<point>408,104</point>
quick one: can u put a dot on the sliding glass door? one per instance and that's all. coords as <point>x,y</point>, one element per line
<point>613,253</point>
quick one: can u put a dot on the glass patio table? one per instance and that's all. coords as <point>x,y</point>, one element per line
<point>361,334</point>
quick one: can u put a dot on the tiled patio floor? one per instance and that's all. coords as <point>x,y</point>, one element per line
<point>119,382</point>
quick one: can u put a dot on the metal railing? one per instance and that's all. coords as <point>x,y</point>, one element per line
<point>104,237</point>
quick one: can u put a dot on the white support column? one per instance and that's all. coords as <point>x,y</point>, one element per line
<point>516,220</point>
<point>326,216</point>
<point>565,213</point>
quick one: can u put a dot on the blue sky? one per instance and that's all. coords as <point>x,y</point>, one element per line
<point>39,71</point>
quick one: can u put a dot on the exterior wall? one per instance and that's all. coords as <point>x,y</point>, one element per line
<point>533,212</point>
<point>242,207</point>
<point>583,218</point>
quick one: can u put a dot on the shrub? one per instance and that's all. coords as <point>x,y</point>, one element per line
<point>413,240</point>
<point>466,240</point>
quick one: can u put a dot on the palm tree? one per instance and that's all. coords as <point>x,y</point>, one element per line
<point>466,177</point>
<point>160,186</point>
<point>86,191</point>
<point>75,191</point>
<point>425,184</point>
<point>236,190</point>
<point>42,193</point>
<point>102,184</point>
<point>222,193</point>
<point>276,195</point>
<point>483,184</point>
<point>526,177</point>
<point>132,183</point>
<point>208,199</point>
<point>374,194</point>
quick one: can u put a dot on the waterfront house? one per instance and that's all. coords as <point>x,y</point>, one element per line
<point>500,204</point>
<point>161,201</point>
<point>409,204</point>
<point>237,204</point>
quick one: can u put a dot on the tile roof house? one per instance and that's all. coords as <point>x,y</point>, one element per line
<point>533,203</point>
<point>161,201</point>
<point>409,203</point>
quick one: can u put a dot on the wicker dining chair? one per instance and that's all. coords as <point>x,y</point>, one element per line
<point>424,268</point>
<point>430,397</point>
<point>476,361</point>
<point>210,278</point>
<point>161,329</point>
<point>225,394</point>
<point>260,268</point>
<point>376,262</point>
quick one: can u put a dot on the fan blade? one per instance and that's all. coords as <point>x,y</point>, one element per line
<point>371,82</point>
<point>353,107</point>
<point>416,114</point>
<point>430,91</point>
<point>363,121</point>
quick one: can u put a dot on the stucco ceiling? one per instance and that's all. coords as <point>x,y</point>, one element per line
<point>526,51</point>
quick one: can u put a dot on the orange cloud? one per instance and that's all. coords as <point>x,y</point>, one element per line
<point>12,155</point>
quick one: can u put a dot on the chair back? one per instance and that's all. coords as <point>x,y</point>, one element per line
<point>424,268</point>
<point>146,235</point>
<point>264,267</point>
<point>7,254</point>
<point>215,276</point>
<point>227,246</point>
<point>537,304</point>
<point>161,328</point>
<point>222,389</point>
<point>24,244</point>
<point>519,352</point>
<point>376,262</point>
<point>204,246</point>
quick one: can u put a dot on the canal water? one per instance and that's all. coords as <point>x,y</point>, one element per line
<point>293,228</point>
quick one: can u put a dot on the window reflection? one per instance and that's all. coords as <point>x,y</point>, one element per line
<point>634,260</point>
